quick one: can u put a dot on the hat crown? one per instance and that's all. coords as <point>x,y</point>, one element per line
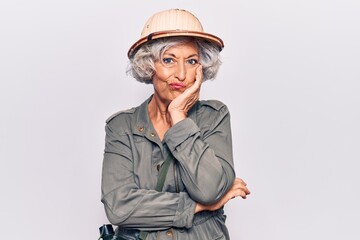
<point>172,20</point>
<point>173,23</point>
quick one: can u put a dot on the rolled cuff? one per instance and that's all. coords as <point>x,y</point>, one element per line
<point>180,132</point>
<point>185,212</point>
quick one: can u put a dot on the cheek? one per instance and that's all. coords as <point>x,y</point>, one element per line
<point>162,73</point>
<point>160,84</point>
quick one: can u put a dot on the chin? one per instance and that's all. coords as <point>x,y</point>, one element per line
<point>174,94</point>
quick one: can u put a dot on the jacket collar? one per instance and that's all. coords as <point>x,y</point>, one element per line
<point>143,125</point>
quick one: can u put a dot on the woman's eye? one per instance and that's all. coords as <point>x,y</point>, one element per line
<point>168,60</point>
<point>192,61</point>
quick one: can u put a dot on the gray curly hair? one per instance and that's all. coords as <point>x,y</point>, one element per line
<point>142,63</point>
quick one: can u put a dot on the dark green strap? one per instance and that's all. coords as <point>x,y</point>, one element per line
<point>160,184</point>
<point>163,173</point>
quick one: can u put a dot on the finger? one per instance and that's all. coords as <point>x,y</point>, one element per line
<point>243,194</point>
<point>195,87</point>
<point>198,79</point>
<point>239,185</point>
<point>244,188</point>
<point>199,74</point>
<point>239,180</point>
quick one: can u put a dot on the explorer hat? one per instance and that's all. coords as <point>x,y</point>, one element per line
<point>170,23</point>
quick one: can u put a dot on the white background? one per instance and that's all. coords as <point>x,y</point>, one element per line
<point>290,78</point>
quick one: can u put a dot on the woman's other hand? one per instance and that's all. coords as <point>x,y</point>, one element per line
<point>238,189</point>
<point>180,106</point>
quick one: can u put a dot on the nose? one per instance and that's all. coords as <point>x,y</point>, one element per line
<point>180,71</point>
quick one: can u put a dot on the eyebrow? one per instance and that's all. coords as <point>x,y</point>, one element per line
<point>173,55</point>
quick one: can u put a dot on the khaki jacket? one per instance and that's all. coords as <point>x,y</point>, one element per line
<point>202,172</point>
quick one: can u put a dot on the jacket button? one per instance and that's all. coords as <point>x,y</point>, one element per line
<point>152,134</point>
<point>169,233</point>
<point>141,129</point>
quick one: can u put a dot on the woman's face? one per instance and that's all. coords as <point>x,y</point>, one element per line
<point>175,71</point>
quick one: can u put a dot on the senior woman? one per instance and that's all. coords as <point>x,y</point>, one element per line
<point>168,166</point>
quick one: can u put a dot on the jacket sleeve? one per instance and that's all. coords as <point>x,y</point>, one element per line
<point>204,155</point>
<point>128,205</point>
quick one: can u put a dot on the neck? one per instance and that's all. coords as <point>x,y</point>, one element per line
<point>158,113</point>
